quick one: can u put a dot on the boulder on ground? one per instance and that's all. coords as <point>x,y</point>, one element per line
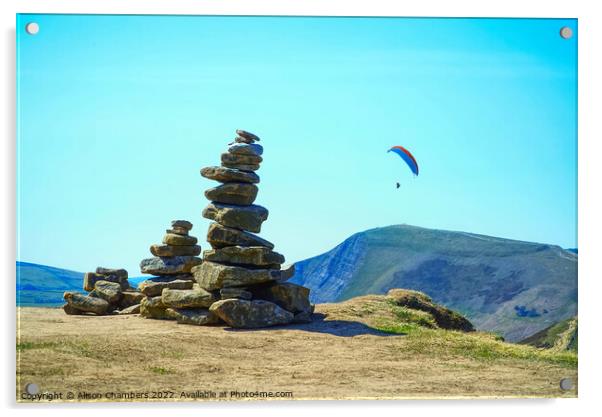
<point>245,255</point>
<point>234,292</point>
<point>130,298</point>
<point>169,265</point>
<point>291,297</point>
<point>238,193</point>
<point>303,317</point>
<point>72,311</point>
<point>133,309</point>
<point>85,303</point>
<point>179,240</point>
<point>109,291</point>
<point>154,287</point>
<point>195,316</point>
<point>250,314</point>
<point>213,276</point>
<point>239,217</point>
<point>223,174</point>
<point>171,250</point>
<point>194,298</point>
<point>221,236</point>
<point>444,317</point>
<point>153,308</point>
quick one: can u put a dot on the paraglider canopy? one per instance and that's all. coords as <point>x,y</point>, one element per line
<point>406,156</point>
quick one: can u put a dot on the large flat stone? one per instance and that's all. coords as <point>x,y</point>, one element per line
<point>245,255</point>
<point>238,193</point>
<point>130,298</point>
<point>179,240</point>
<point>241,161</point>
<point>185,224</point>
<point>247,218</point>
<point>252,149</point>
<point>169,265</point>
<point>172,250</point>
<point>239,158</point>
<point>194,316</point>
<point>221,236</point>
<point>90,279</point>
<point>153,308</point>
<point>250,314</point>
<point>86,304</point>
<point>155,286</point>
<point>177,231</point>
<point>194,298</point>
<point>109,291</point>
<point>213,276</point>
<point>233,292</point>
<point>223,174</point>
<point>289,296</point>
<point>121,273</point>
<point>242,167</point>
<point>72,311</point>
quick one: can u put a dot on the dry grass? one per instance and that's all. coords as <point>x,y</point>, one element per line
<point>340,356</point>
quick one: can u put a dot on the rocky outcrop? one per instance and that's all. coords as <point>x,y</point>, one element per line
<point>109,292</point>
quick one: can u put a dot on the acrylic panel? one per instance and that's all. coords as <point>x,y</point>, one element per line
<point>293,208</point>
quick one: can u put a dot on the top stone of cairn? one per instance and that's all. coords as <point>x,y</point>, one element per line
<point>245,137</point>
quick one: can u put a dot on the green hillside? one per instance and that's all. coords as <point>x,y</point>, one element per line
<point>511,287</point>
<point>45,285</point>
<point>561,336</point>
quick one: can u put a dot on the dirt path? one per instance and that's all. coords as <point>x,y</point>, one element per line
<point>328,359</point>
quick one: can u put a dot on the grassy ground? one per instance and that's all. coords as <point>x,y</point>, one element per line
<point>367,347</point>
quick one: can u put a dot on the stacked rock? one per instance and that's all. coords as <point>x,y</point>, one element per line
<point>109,292</point>
<point>172,293</point>
<point>242,269</point>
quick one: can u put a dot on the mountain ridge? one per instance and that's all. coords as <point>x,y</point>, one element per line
<point>508,286</point>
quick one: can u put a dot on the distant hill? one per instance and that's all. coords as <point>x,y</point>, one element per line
<point>560,336</point>
<point>41,285</point>
<point>511,287</point>
<point>44,285</point>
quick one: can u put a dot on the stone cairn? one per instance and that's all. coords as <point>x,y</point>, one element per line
<point>172,292</point>
<point>240,281</point>
<point>109,292</point>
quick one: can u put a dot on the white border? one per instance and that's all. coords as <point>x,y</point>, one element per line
<point>590,208</point>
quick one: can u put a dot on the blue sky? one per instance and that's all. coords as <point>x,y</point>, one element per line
<point>117,114</point>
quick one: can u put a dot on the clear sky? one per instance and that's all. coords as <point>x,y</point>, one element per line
<point>118,114</point>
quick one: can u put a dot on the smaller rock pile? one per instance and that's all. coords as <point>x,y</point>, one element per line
<point>172,293</point>
<point>109,292</point>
